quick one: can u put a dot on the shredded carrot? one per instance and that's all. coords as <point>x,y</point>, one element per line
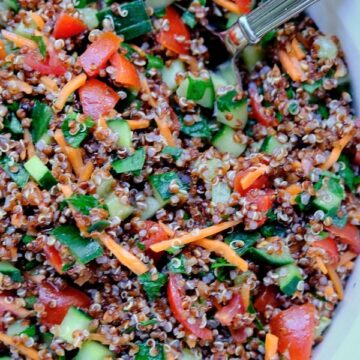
<point>245,295</point>
<point>100,338</point>
<point>66,190</point>
<point>297,50</point>
<point>49,83</point>
<point>68,89</point>
<point>102,123</point>
<point>247,180</point>
<point>18,40</point>
<point>321,265</point>
<point>170,232</point>
<point>138,124</point>
<point>20,85</point>
<point>165,130</point>
<point>294,190</point>
<point>229,5</point>
<point>328,291</point>
<point>334,277</point>
<point>195,235</point>
<point>145,88</point>
<point>125,257</point>
<point>75,158</point>
<point>291,66</point>
<point>86,172</point>
<point>2,50</point>
<point>30,148</point>
<point>337,150</point>
<point>346,257</point>
<point>37,19</point>
<point>225,251</point>
<point>271,346</point>
<point>28,352</point>
<point>60,139</point>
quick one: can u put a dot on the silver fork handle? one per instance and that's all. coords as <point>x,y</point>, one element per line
<point>251,28</point>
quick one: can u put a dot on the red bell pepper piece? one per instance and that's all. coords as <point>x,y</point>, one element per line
<point>54,258</point>
<point>175,296</point>
<point>126,73</point>
<point>97,98</point>
<point>49,295</point>
<point>67,26</point>
<point>99,52</point>
<point>330,248</point>
<point>349,235</point>
<point>295,329</point>
<point>176,30</point>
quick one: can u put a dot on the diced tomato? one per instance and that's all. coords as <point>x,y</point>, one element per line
<point>97,98</point>
<point>349,235</point>
<point>49,295</point>
<point>258,111</point>
<point>126,73</point>
<point>295,329</point>
<point>2,50</point>
<point>51,65</point>
<point>67,26</point>
<point>152,236</point>
<point>226,314</point>
<point>54,258</point>
<point>266,297</point>
<point>330,248</point>
<point>263,199</point>
<point>175,294</point>
<point>176,30</point>
<point>239,335</point>
<point>259,183</point>
<point>357,158</point>
<point>245,6</point>
<point>99,52</point>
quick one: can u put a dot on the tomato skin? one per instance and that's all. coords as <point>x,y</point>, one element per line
<point>54,258</point>
<point>259,183</point>
<point>266,297</point>
<point>51,65</point>
<point>153,238</point>
<point>174,293</point>
<point>264,200</point>
<point>67,26</point>
<point>99,52</point>
<point>244,6</point>
<point>295,329</point>
<point>64,298</point>
<point>126,73</point>
<point>349,235</point>
<point>330,248</point>
<point>97,98</point>
<point>226,314</point>
<point>176,28</point>
<point>258,111</point>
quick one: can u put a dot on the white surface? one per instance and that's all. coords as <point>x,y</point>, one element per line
<point>342,18</point>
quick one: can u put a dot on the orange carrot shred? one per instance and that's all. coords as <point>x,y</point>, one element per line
<point>2,50</point>
<point>49,83</point>
<point>75,158</point>
<point>100,338</point>
<point>297,50</point>
<point>347,257</point>
<point>321,265</point>
<point>165,130</point>
<point>86,172</point>
<point>334,277</point>
<point>229,5</point>
<point>247,180</point>
<point>138,124</point>
<point>18,40</point>
<point>30,148</point>
<point>245,295</point>
<point>37,19</point>
<point>271,346</point>
<point>170,232</point>
<point>28,352</point>
<point>291,66</point>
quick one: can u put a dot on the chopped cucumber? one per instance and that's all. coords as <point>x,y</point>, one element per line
<point>152,206</point>
<point>324,322</point>
<point>169,73</point>
<point>117,208</point>
<point>225,142</point>
<point>75,320</point>
<point>134,162</point>
<point>122,129</point>
<point>289,278</point>
<point>40,173</point>
<point>5,358</point>
<point>221,193</point>
<point>226,72</point>
<point>188,354</point>
<point>218,80</point>
<point>11,4</point>
<point>158,4</point>
<point>198,89</point>
<point>105,187</point>
<point>330,195</point>
<point>89,17</point>
<point>251,55</point>
<point>21,327</point>
<point>271,145</point>
<point>232,112</point>
<point>278,259</point>
<point>7,268</point>
<point>92,350</point>
<point>160,184</point>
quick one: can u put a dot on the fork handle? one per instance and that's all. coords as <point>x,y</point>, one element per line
<point>251,28</point>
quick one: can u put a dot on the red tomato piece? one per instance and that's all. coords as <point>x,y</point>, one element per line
<point>239,335</point>
<point>175,294</point>
<point>169,37</point>
<point>266,297</point>
<point>245,6</point>
<point>357,158</point>
<point>67,26</point>
<point>259,183</point>
<point>295,329</point>
<point>126,73</point>
<point>330,248</point>
<point>51,65</point>
<point>226,314</point>
<point>349,235</point>
<point>97,98</point>
<point>64,298</point>
<point>54,258</point>
<point>99,52</point>
<point>258,111</point>
<point>153,237</point>
<point>263,199</point>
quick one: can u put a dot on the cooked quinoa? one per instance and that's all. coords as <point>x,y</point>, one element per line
<point>257,183</point>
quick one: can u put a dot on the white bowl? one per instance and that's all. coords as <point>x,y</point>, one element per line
<point>342,18</point>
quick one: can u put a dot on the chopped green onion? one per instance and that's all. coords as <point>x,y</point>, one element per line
<point>154,62</point>
<point>134,162</point>
<point>173,151</point>
<point>152,284</point>
<point>84,203</point>
<point>41,116</point>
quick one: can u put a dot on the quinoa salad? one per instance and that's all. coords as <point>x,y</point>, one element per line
<point>157,204</point>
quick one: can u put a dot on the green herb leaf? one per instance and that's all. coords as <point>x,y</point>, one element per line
<point>41,116</point>
<point>132,163</point>
<point>199,128</point>
<point>7,268</point>
<point>30,302</point>
<point>267,38</point>
<point>177,265</point>
<point>152,287</point>
<point>84,203</point>
<point>173,151</point>
<point>220,263</point>
<point>311,88</point>
<point>154,62</point>
<point>27,239</point>
<point>248,238</point>
<point>40,42</point>
<point>13,125</point>
<point>71,122</point>
<point>346,172</point>
<point>15,171</point>
<point>272,229</point>
<point>146,352</point>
